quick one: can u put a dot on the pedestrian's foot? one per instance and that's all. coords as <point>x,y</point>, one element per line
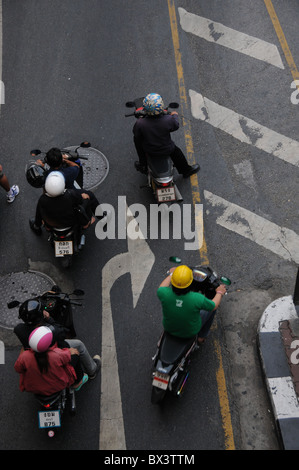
<point>12,193</point>
<point>97,360</point>
<point>37,230</point>
<point>192,170</point>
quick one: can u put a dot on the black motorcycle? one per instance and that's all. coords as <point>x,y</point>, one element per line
<point>59,306</point>
<point>173,355</point>
<point>160,171</point>
<point>67,241</point>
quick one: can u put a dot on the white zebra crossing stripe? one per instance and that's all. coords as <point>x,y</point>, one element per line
<point>244,129</point>
<point>230,38</point>
<point>280,240</point>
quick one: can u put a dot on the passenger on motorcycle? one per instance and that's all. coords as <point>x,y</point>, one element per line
<point>33,315</point>
<point>57,206</point>
<point>46,369</point>
<point>58,161</point>
<point>186,313</point>
<point>152,136</point>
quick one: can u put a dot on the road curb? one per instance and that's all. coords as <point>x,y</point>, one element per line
<point>276,368</point>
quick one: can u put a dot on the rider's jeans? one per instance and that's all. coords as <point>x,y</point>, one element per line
<point>87,363</point>
<point>207,320</point>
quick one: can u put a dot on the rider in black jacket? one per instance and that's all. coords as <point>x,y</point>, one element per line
<point>152,136</point>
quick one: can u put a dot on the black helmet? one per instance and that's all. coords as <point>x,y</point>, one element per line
<point>54,157</point>
<point>31,311</point>
<point>35,175</point>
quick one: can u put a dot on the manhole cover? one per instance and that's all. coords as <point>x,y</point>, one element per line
<point>20,286</point>
<point>95,168</point>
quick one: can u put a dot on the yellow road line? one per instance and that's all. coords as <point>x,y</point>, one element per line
<point>220,377</point>
<point>282,39</point>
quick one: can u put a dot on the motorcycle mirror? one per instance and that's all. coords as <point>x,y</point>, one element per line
<point>13,304</point>
<point>173,105</point>
<point>225,281</point>
<point>130,104</point>
<point>35,152</point>
<point>85,144</point>
<point>175,259</point>
<point>78,292</point>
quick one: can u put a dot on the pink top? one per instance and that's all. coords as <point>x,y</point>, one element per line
<point>60,372</point>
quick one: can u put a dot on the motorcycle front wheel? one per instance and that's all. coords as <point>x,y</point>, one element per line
<point>157,395</point>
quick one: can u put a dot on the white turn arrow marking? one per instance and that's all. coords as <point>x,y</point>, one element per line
<point>138,261</point>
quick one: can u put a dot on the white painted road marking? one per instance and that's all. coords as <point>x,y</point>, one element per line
<point>280,240</point>
<point>230,38</point>
<point>244,129</point>
<point>138,261</point>
<point>2,353</point>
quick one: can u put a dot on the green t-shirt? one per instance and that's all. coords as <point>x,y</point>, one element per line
<point>181,312</point>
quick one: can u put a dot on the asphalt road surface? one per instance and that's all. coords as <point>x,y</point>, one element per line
<point>68,69</point>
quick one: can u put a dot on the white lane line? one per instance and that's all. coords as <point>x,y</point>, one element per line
<point>280,240</point>
<point>244,129</point>
<point>230,38</point>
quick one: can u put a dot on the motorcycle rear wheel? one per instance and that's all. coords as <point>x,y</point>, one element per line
<point>157,395</point>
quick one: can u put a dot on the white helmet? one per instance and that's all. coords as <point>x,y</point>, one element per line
<point>55,184</point>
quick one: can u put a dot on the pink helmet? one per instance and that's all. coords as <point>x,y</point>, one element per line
<point>40,339</point>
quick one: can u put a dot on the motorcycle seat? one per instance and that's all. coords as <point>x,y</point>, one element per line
<point>48,398</point>
<point>160,166</point>
<point>173,347</point>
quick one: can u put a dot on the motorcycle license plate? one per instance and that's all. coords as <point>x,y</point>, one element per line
<point>63,248</point>
<point>49,419</point>
<point>166,194</point>
<point>161,380</point>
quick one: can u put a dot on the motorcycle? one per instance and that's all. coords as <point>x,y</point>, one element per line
<point>67,241</point>
<point>52,407</point>
<point>160,172</point>
<point>71,153</point>
<point>171,362</point>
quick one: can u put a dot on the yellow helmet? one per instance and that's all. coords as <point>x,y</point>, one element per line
<point>182,277</point>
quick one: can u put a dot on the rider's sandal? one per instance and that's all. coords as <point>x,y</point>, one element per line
<point>84,380</point>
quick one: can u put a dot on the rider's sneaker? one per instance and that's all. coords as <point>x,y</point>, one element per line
<point>37,230</point>
<point>97,360</point>
<point>12,193</point>
<point>140,168</point>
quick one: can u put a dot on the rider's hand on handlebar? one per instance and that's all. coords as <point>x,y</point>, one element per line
<point>221,289</point>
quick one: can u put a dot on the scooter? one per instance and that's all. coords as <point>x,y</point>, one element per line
<point>73,154</point>
<point>67,241</point>
<point>53,407</point>
<point>171,362</point>
<point>160,172</point>
<point>59,305</point>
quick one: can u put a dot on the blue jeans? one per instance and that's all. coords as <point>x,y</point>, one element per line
<point>206,322</point>
<point>88,364</point>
